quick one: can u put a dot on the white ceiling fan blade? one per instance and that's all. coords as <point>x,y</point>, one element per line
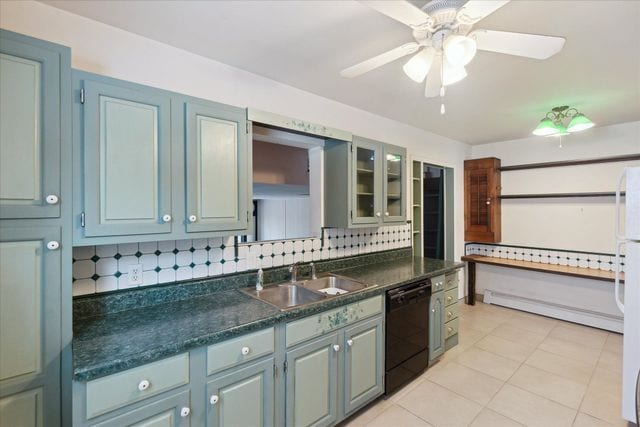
<point>434,78</point>
<point>380,60</point>
<point>475,10</point>
<point>519,44</point>
<point>399,10</point>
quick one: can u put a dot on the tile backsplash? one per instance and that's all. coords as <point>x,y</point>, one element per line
<point>105,268</point>
<point>599,261</point>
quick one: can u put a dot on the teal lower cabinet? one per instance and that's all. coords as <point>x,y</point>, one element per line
<point>312,377</point>
<point>242,397</point>
<point>436,319</point>
<point>451,311</point>
<point>172,411</point>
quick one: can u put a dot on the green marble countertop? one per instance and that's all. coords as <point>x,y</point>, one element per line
<point>110,343</point>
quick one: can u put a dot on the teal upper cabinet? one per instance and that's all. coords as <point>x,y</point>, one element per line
<point>216,167</point>
<point>364,183</point>
<point>127,160</point>
<point>394,184</point>
<point>31,77</point>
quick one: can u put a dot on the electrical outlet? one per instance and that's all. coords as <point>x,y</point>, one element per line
<point>135,274</point>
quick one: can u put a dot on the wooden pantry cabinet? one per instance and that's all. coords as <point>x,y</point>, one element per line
<point>482,217</point>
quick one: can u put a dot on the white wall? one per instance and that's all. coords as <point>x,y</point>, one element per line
<point>580,224</point>
<point>113,52</point>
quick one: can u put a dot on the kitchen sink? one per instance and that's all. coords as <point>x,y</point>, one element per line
<point>286,295</point>
<point>333,285</point>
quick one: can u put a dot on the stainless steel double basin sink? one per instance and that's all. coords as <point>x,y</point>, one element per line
<point>290,295</point>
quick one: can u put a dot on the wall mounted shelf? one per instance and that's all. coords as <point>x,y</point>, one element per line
<point>571,163</point>
<point>559,195</point>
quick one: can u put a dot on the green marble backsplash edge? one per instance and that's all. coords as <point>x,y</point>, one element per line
<point>113,302</point>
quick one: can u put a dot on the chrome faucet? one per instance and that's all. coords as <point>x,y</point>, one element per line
<point>293,269</point>
<point>313,271</point>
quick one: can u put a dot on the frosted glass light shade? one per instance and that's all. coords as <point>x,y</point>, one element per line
<point>579,122</point>
<point>545,128</point>
<point>419,65</point>
<point>560,130</point>
<point>459,50</point>
<point>452,74</point>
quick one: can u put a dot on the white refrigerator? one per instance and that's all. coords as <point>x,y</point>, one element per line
<point>628,236</point>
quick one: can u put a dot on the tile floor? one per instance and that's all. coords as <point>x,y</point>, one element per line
<point>511,368</point>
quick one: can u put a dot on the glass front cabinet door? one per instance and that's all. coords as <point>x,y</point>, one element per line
<point>394,185</point>
<point>366,185</point>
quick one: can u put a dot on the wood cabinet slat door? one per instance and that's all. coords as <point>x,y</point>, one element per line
<point>482,211</point>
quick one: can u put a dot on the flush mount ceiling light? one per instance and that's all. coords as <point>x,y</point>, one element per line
<point>445,41</point>
<point>552,124</point>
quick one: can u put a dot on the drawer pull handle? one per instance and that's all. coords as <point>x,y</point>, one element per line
<point>193,218</point>
<point>143,385</point>
<point>52,199</point>
<point>449,314</point>
<point>214,399</point>
<point>336,347</point>
<point>449,298</point>
<point>449,329</point>
<point>185,411</point>
<point>166,218</point>
<point>349,342</point>
<point>53,245</point>
<point>245,351</point>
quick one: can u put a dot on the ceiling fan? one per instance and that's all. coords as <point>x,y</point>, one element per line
<point>445,43</point>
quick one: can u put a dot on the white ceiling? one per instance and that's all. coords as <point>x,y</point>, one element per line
<point>306,43</point>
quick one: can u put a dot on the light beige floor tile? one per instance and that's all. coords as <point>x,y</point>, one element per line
<point>603,399</point>
<point>611,361</point>
<point>568,368</point>
<point>518,335</point>
<point>614,343</point>
<point>489,363</point>
<point>397,416</point>
<point>584,420</point>
<point>469,337</point>
<point>489,418</point>
<point>414,383</point>
<point>554,387</point>
<point>467,382</point>
<point>480,321</point>
<point>571,350</point>
<point>496,311</point>
<point>579,334</point>
<point>533,323</point>
<point>509,349</point>
<point>439,406</point>
<point>530,409</point>
<point>367,414</point>
<point>451,354</point>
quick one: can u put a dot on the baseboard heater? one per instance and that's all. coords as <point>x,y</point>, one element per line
<point>557,311</point>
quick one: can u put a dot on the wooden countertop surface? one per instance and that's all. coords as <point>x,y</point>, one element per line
<point>588,273</point>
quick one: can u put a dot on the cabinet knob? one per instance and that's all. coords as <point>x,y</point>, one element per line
<point>166,218</point>
<point>245,351</point>
<point>433,310</point>
<point>449,314</point>
<point>143,385</point>
<point>386,213</point>
<point>185,411</point>
<point>349,342</point>
<point>488,201</point>
<point>214,399</point>
<point>53,245</point>
<point>378,214</point>
<point>193,218</point>
<point>449,298</point>
<point>51,199</point>
<point>336,347</point>
<point>449,329</point>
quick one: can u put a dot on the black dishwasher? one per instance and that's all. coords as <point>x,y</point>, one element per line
<point>407,333</point>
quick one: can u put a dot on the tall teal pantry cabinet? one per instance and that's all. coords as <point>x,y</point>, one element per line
<point>35,232</point>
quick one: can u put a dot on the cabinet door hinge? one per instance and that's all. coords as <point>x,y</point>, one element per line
<point>248,127</point>
<point>247,217</point>
<point>275,370</point>
<point>82,96</point>
<point>284,368</point>
<point>82,219</point>
<point>351,213</point>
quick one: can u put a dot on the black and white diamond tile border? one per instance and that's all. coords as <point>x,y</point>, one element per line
<point>599,261</point>
<point>105,268</point>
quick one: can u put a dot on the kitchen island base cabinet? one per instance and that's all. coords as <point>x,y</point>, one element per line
<point>243,397</point>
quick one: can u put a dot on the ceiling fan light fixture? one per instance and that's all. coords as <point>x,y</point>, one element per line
<point>560,130</point>
<point>579,122</point>
<point>545,128</point>
<point>452,74</point>
<point>419,65</point>
<point>459,50</point>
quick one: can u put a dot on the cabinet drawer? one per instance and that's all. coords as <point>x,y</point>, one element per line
<point>451,297</point>
<point>450,328</point>
<point>117,390</point>
<point>313,326</point>
<point>451,312</point>
<point>238,350</point>
<point>437,284</point>
<point>173,411</point>
<point>451,281</point>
